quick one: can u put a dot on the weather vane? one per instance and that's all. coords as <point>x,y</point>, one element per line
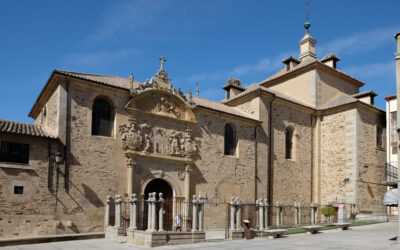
<point>306,6</point>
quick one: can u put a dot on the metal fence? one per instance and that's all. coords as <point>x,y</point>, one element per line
<point>391,171</point>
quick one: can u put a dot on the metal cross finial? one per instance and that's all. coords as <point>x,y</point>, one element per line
<point>162,59</point>
<point>306,5</point>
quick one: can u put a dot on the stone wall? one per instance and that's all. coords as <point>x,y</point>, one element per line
<point>291,177</point>
<point>49,115</point>
<point>20,214</point>
<point>338,156</point>
<point>370,185</point>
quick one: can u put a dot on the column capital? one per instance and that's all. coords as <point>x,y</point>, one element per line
<point>132,198</point>
<point>118,199</point>
<point>130,162</point>
<point>108,199</point>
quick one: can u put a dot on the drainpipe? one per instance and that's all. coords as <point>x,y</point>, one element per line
<point>270,162</point>
<point>67,140</point>
<point>49,181</point>
<point>255,161</point>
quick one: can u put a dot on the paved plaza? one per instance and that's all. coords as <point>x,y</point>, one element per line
<point>377,236</point>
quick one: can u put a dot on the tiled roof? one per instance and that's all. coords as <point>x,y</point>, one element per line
<point>217,106</point>
<point>365,93</point>
<point>391,97</point>
<point>123,83</point>
<point>23,129</point>
<point>305,63</point>
<point>115,81</point>
<point>255,87</point>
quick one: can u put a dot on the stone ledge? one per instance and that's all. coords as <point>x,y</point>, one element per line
<point>312,229</point>
<point>274,233</point>
<point>50,238</point>
<point>343,226</point>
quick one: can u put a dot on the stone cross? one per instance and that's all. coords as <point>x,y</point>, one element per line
<point>162,59</point>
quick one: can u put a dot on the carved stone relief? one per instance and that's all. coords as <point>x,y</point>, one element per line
<point>144,138</point>
<point>160,104</point>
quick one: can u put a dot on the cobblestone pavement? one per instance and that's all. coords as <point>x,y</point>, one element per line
<point>377,236</point>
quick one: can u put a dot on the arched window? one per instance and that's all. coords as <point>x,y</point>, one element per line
<point>230,140</point>
<point>288,143</point>
<point>102,117</point>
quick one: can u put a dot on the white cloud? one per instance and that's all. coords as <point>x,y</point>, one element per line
<point>372,70</point>
<point>359,42</point>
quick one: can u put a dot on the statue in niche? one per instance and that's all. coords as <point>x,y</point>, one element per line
<point>174,140</point>
<point>136,137</point>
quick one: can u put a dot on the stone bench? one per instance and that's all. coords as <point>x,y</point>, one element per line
<point>343,226</point>
<point>274,233</point>
<point>312,229</point>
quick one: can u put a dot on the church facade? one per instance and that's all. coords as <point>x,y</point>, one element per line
<point>306,134</point>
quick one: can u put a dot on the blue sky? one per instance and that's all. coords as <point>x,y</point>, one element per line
<point>205,41</point>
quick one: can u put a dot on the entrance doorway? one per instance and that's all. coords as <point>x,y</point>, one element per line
<point>160,186</point>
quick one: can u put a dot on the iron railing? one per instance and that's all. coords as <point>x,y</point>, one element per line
<point>391,171</point>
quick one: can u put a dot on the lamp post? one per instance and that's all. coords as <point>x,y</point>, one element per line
<point>58,158</point>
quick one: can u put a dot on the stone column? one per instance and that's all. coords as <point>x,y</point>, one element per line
<point>194,221</point>
<point>279,213</point>
<point>149,212</point>
<point>297,213</point>
<point>266,208</point>
<point>161,213</point>
<point>153,212</point>
<point>261,213</point>
<point>186,211</point>
<point>201,214</point>
<point>131,164</point>
<point>342,215</point>
<point>118,200</point>
<point>107,212</point>
<point>133,212</point>
<point>238,214</point>
<point>233,213</point>
<point>313,213</point>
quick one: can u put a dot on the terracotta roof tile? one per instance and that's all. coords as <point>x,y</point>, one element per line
<point>217,106</point>
<point>115,81</point>
<point>21,128</point>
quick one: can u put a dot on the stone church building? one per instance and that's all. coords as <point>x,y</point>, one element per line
<point>305,134</point>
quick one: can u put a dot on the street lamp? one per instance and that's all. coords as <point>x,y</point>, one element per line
<point>59,157</point>
<point>365,170</point>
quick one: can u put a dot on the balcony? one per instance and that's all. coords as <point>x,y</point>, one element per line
<point>391,173</point>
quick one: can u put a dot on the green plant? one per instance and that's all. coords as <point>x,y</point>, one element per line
<point>328,212</point>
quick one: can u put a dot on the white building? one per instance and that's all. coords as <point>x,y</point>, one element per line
<point>392,138</point>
